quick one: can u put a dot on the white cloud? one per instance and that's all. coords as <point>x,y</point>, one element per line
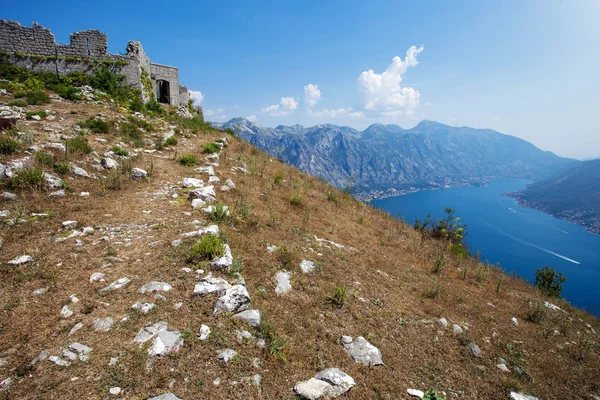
<point>209,113</point>
<point>252,118</point>
<point>383,92</point>
<point>312,95</point>
<point>220,110</point>
<point>338,112</point>
<point>216,115</point>
<point>286,106</point>
<point>196,96</point>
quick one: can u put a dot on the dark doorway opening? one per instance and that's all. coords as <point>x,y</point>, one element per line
<point>163,92</point>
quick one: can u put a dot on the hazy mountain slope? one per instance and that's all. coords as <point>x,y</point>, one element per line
<point>384,157</point>
<point>573,195</point>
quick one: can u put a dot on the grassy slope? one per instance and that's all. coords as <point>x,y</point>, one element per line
<point>387,272</point>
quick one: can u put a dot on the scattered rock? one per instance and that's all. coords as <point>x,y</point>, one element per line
<point>210,285</point>
<point>514,321</point>
<point>148,332</point>
<point>79,171</point>
<point>9,196</point>
<point>82,350</point>
<point>206,194</point>
<point>5,384</point>
<point>282,279</point>
<point>443,322</point>
<point>69,224</point>
<point>138,173</point>
<point>474,349</point>
<point>243,336</point>
<point>364,352</point>
<point>229,183</point>
<point>144,308</point>
<point>502,367</point>
<point>40,291</point>
<point>206,170</point>
<point>329,383</point>
<point>65,312</point>
<point>224,262</point>
<point>235,299</point>
<point>307,266</point>
<point>115,391</point>
<point>103,325</point>
<point>209,230</point>
<point>165,342</point>
<point>21,260</point>
<point>57,193</point>
<point>109,163</point>
<point>113,361</point>
<point>97,277</point>
<point>415,393</point>
<point>52,181</point>
<point>75,328</point>
<point>456,330</point>
<point>271,248</point>
<point>521,396</point>
<point>192,183</point>
<point>198,203</point>
<point>119,283</point>
<point>226,355</point>
<point>59,361</point>
<point>204,332</point>
<point>252,317</point>
<point>166,396</point>
<point>154,286</point>
<point>214,180</point>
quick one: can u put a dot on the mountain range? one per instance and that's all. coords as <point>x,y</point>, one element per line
<point>385,160</point>
<point>573,195</point>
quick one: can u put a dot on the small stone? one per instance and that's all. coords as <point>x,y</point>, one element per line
<point>282,279</point>
<point>235,299</point>
<point>9,196</point>
<point>227,355</point>
<point>21,260</point>
<point>415,393</point>
<point>214,180</point>
<point>230,184</point>
<point>443,322</point>
<point>176,242</point>
<point>198,203</point>
<point>217,382</point>
<point>138,173</point>
<point>340,381</point>
<point>474,349</point>
<point>521,396</point>
<point>84,194</point>
<point>59,361</point>
<point>79,171</point>
<point>119,283</point>
<point>97,277</point>
<point>312,389</point>
<point>40,291</point>
<point>206,194</point>
<point>57,193</point>
<point>364,352</point>
<point>204,332</point>
<point>115,391</point>
<point>144,308</point>
<point>154,286</point>
<point>502,367</point>
<point>192,183</point>
<point>514,321</point>
<point>165,342</point>
<point>108,163</point>
<point>74,299</point>
<point>166,396</point>
<point>307,266</point>
<point>243,336</point>
<point>75,328</point>
<point>261,343</point>
<point>210,285</point>
<point>5,384</point>
<point>252,317</point>
<point>65,312</point>
<point>103,325</point>
<point>456,330</point>
<point>177,305</point>
<point>346,339</point>
<point>206,170</point>
<point>224,262</point>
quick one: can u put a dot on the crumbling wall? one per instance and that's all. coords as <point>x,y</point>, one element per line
<point>169,74</point>
<point>184,95</point>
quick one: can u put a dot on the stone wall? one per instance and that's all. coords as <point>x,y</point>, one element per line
<point>35,48</point>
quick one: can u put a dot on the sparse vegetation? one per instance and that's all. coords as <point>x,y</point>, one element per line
<point>171,141</point>
<point>296,200</point>
<point>549,282</point>
<point>536,312</point>
<point>188,160</point>
<point>220,213</point>
<point>207,248</point>
<point>30,114</point>
<point>79,145</point>
<point>211,148</point>
<point>119,151</point>
<point>33,97</point>
<point>95,125</point>
<point>338,298</point>
<point>8,145</point>
<point>27,178</point>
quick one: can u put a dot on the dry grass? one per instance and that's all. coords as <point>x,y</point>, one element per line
<point>387,274</point>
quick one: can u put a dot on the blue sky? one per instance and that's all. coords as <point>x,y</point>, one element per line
<point>527,68</point>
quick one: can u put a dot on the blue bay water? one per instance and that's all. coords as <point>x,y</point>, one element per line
<point>520,239</point>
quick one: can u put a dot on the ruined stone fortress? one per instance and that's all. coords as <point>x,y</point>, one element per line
<point>35,48</point>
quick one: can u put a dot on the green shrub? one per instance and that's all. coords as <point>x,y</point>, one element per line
<point>285,257</point>
<point>141,123</point>
<point>40,114</point>
<point>45,159</point>
<point>433,395</point>
<point>79,145</point>
<point>207,248</point>
<point>112,180</point>
<point>34,97</point>
<point>62,168</point>
<point>119,151</point>
<point>536,312</point>
<point>332,196</point>
<point>18,103</point>
<point>27,178</point>
<point>171,141</point>
<point>211,148</point>
<point>8,145</point>
<point>131,133</point>
<point>549,282</point>
<point>338,298</point>
<point>136,104</point>
<point>220,213</point>
<point>278,178</point>
<point>68,92</point>
<point>95,125</point>
<point>458,250</point>
<point>154,107</point>
<point>230,131</point>
<point>449,228</point>
<point>296,200</point>
<point>439,264</point>
<point>188,160</point>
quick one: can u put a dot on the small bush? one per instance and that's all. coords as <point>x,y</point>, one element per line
<point>458,250</point>
<point>79,145</point>
<point>8,145</point>
<point>207,248</point>
<point>40,114</point>
<point>211,148</point>
<point>549,282</point>
<point>278,178</point>
<point>220,214</point>
<point>62,168</point>
<point>433,292</point>
<point>119,151</point>
<point>131,133</point>
<point>141,123</point>
<point>276,347</point>
<point>332,196</point>
<point>188,160</point>
<point>285,257</point>
<point>45,159</point>
<point>34,97</point>
<point>536,312</point>
<point>68,92</point>
<point>171,141</point>
<point>95,125</point>
<point>433,395</point>
<point>338,298</point>
<point>296,200</point>
<point>18,103</point>
<point>439,264</point>
<point>113,180</point>
<point>136,104</point>
<point>154,107</point>
<point>27,178</point>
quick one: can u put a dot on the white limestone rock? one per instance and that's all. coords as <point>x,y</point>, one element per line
<point>206,170</point>
<point>234,300</point>
<point>364,352</point>
<point>144,308</point>
<point>229,183</point>
<point>21,260</point>
<point>307,266</point>
<point>209,230</point>
<point>148,332</point>
<point>138,173</point>
<point>165,342</point>
<point>282,280</point>
<point>40,291</point>
<point>192,183</point>
<point>514,321</point>
<point>108,163</point>
<point>206,194</point>
<point>443,322</point>
<point>97,277</point>
<point>521,396</point>
<point>65,312</point>
<point>75,328</point>
<point>79,171</point>
<point>415,393</point>
<point>252,317</point>
<point>224,262</point>
<point>103,324</point>
<point>456,330</point>
<point>166,396</point>
<point>210,285</point>
<point>204,332</point>
<point>119,283</point>
<point>52,181</point>
<point>154,286</point>
<point>198,203</point>
<point>226,355</point>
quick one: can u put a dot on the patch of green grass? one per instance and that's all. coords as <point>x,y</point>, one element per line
<point>32,178</point>
<point>439,264</point>
<point>79,145</point>
<point>68,92</point>
<point>95,125</point>
<point>18,103</point>
<point>207,248</point>
<point>296,200</point>
<point>536,312</point>
<point>458,250</point>
<point>34,97</point>
<point>433,395</point>
<point>188,160</point>
<point>62,168</point>
<point>40,114</point>
<point>332,196</point>
<point>171,141</point>
<point>278,177</point>
<point>8,145</point>
<point>220,213</point>
<point>141,123</point>
<point>211,148</point>
<point>119,151</point>
<point>131,133</point>
<point>45,159</point>
<point>338,298</point>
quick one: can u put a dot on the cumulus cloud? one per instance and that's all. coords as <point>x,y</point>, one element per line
<point>252,118</point>
<point>337,112</point>
<point>312,95</point>
<point>216,115</point>
<point>196,96</point>
<point>384,92</point>
<point>286,106</point>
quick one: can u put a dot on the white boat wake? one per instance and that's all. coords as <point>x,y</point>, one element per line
<point>526,243</point>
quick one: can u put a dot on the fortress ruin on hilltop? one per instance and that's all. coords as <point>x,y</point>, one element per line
<point>35,48</point>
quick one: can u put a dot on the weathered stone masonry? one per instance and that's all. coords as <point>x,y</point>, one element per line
<point>36,48</point>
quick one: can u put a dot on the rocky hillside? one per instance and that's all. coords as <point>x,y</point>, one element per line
<point>149,256</point>
<point>573,195</point>
<point>386,159</point>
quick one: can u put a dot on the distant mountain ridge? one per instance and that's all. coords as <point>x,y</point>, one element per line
<point>573,195</point>
<point>384,160</point>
